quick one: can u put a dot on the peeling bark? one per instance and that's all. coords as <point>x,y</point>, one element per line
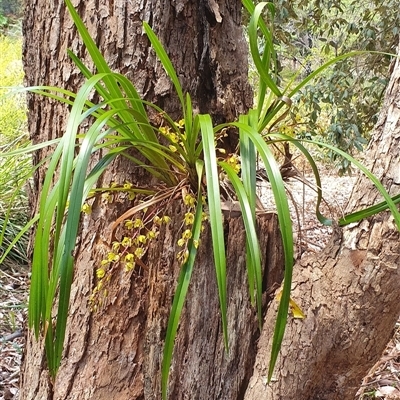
<point>349,292</point>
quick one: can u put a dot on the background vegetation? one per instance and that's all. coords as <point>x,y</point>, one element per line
<point>15,171</point>
<point>341,105</point>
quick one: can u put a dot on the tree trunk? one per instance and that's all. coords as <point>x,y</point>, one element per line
<point>349,292</point>
<point>116,352</point>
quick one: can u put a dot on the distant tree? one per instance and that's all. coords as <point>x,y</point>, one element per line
<point>342,104</point>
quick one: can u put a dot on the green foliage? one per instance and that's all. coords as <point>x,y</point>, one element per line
<point>178,155</point>
<point>15,171</point>
<point>341,105</point>
<point>11,12</point>
<point>3,21</point>
<point>12,107</point>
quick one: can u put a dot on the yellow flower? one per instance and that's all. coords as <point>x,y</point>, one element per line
<point>151,234</point>
<point>180,123</point>
<point>138,223</point>
<point>189,218</point>
<point>129,224</point>
<point>234,162</point>
<point>139,252</point>
<point>196,244</point>
<point>189,200</point>
<point>172,148</point>
<point>299,118</point>
<point>100,273</point>
<point>126,242</point>
<point>173,137</point>
<point>116,246</point>
<point>181,242</point>
<point>129,262</point>
<point>142,239</point>
<point>107,197</point>
<point>157,220</point>
<point>131,195</point>
<point>113,257</point>
<point>129,257</point>
<point>187,234</point>
<point>127,185</point>
<point>182,256</point>
<point>86,209</point>
<point>287,130</point>
<point>166,219</point>
<point>164,130</point>
<point>129,266</point>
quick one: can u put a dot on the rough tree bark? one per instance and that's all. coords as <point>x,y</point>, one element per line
<point>349,292</point>
<point>116,353</point>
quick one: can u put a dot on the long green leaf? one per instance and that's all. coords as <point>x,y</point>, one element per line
<point>388,200</point>
<point>112,85</point>
<point>262,65</point>
<point>40,262</point>
<point>367,212</point>
<point>248,169</point>
<point>95,54</point>
<point>24,230</point>
<point>216,223</point>
<point>165,61</point>
<point>71,229</point>
<point>252,242</point>
<point>52,202</point>
<point>182,288</point>
<point>285,225</point>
